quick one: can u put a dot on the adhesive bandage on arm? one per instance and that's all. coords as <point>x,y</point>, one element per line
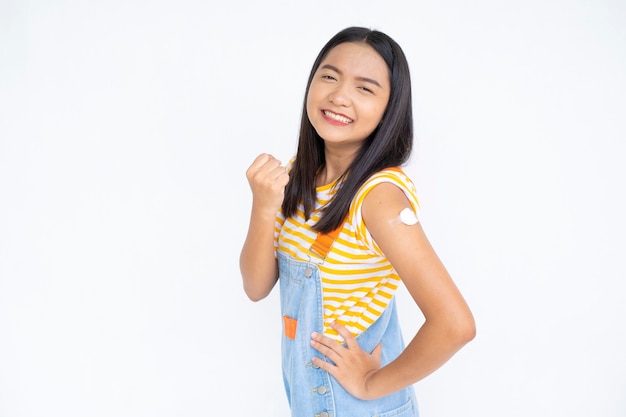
<point>408,216</point>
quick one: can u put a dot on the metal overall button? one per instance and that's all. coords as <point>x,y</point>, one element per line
<point>308,272</point>
<point>322,390</point>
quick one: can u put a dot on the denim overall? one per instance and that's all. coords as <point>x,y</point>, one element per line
<point>313,392</point>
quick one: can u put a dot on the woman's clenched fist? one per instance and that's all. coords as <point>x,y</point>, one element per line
<point>267,179</point>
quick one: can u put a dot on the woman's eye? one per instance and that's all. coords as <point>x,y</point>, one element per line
<point>328,77</point>
<point>366,89</point>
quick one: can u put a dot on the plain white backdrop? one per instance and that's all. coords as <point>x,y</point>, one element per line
<point>125,131</point>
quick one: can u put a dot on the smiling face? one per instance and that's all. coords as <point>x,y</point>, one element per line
<point>348,95</point>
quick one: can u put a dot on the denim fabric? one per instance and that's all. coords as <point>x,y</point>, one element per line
<point>311,391</point>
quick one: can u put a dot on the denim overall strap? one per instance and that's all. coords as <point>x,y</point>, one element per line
<point>324,241</point>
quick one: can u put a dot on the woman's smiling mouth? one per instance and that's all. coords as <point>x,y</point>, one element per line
<point>336,117</point>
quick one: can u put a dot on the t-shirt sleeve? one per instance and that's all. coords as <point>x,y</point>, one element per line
<point>390,175</point>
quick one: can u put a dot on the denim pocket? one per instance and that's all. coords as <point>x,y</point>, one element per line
<point>289,327</point>
<point>405,410</point>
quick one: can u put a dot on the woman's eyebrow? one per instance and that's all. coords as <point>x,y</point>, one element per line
<point>364,79</point>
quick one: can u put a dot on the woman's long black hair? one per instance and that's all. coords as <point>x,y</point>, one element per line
<point>388,145</point>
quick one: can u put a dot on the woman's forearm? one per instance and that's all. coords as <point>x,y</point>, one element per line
<point>433,345</point>
<point>257,261</point>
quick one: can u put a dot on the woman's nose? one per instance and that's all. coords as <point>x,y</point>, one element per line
<point>340,97</point>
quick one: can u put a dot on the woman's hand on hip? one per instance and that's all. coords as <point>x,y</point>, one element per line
<point>351,366</point>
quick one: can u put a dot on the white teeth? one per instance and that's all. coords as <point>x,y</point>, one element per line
<point>337,117</point>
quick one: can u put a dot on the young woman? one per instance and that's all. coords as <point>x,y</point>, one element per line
<point>338,229</point>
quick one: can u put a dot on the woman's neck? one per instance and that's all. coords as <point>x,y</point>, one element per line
<point>336,164</point>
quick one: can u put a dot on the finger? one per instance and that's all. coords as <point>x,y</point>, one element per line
<point>258,164</point>
<point>325,340</point>
<point>266,162</point>
<point>266,167</point>
<point>326,366</point>
<point>274,168</point>
<point>261,160</point>
<point>280,171</point>
<point>283,178</point>
<point>326,346</point>
<point>348,338</point>
<point>326,351</point>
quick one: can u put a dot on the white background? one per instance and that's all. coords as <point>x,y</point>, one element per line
<point>126,127</point>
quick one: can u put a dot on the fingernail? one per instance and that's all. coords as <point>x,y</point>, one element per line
<point>314,334</point>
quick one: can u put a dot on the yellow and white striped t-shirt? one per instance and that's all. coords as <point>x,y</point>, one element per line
<point>357,280</point>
